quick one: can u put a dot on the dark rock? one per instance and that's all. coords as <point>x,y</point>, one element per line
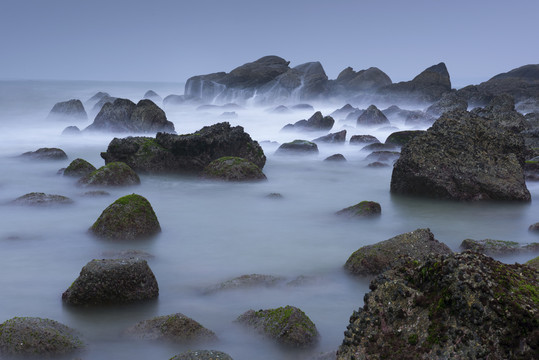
<point>153,96</point>
<point>42,199</point>
<point>343,112</point>
<point>317,122</point>
<point>363,81</point>
<point>298,147</point>
<point>104,100</point>
<point>362,209</point>
<point>447,308</point>
<point>401,138</point>
<point>202,355</point>
<point>71,110</point>
<point>380,147</point>
<point>71,130</point>
<point>448,102</point>
<point>302,107</point>
<point>112,281</point>
<point>191,153</point>
<point>128,218</point>
<point>372,117</point>
<point>501,109</point>
<point>528,106</point>
<point>334,138</point>
<point>246,282</point>
<point>78,168</point>
<point>383,155</point>
<point>496,247</point>
<point>374,259</point>
<point>176,328</point>
<point>363,139</point>
<point>37,337</point>
<point>95,193</point>
<point>417,118</point>
<point>231,168</point>
<point>112,174</point>
<point>335,158</point>
<point>462,157</point>
<point>377,164</point>
<point>45,154</point>
<point>287,325</point>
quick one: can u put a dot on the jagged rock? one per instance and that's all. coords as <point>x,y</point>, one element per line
<point>496,247</point>
<point>128,218</point>
<point>363,139</point>
<point>363,81</point>
<point>501,109</point>
<point>176,328</point>
<point>230,168</point>
<point>71,130</point>
<point>462,306</point>
<point>191,153</point>
<point>78,168</point>
<point>71,110</point>
<point>37,337</point>
<point>45,154</point>
<point>112,281</point>
<point>336,158</point>
<point>246,281</point>
<point>448,102</point>
<point>462,157</point>
<point>298,147</point>
<point>374,259</point>
<point>42,199</point>
<point>372,117</point>
<point>343,112</point>
<point>401,138</point>
<point>112,174</point>
<point>202,355</point>
<point>334,138</point>
<point>287,325</point>
<point>317,122</point>
<point>362,209</point>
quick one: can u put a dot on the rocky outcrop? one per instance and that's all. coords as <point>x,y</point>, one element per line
<point>202,355</point>
<point>462,306</point>
<point>297,147</point>
<point>168,153</point>
<point>350,82</point>
<point>462,157</point>
<point>287,325</point>
<point>45,154</point>
<point>128,218</point>
<point>448,102</point>
<point>112,281</point>
<point>230,168</point>
<point>79,168</point>
<point>112,174</point>
<point>42,199</point>
<point>372,117</point>
<point>71,110</point>
<point>37,337</point>
<point>362,209</point>
<point>317,122</point>
<point>374,259</point>
<point>334,138</point>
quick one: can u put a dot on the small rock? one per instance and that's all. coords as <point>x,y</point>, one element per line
<point>334,138</point>
<point>42,199</point>
<point>246,281</point>
<point>362,209</point>
<point>363,140</point>
<point>372,117</point>
<point>45,154</point>
<point>78,168</point>
<point>68,110</point>
<point>298,147</point>
<point>335,158</point>
<point>71,130</point>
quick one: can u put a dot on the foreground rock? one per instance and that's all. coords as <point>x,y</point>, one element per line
<point>42,199</point>
<point>373,259</point>
<point>112,281</point>
<point>112,174</point>
<point>463,306</point>
<point>462,157</point>
<point>168,153</point>
<point>232,168</point>
<point>79,168</point>
<point>176,328</point>
<point>37,337</point>
<point>362,209</point>
<point>496,247</point>
<point>71,110</point>
<point>45,154</point>
<point>202,355</point>
<point>287,325</point>
<point>128,218</point>
<point>298,147</point>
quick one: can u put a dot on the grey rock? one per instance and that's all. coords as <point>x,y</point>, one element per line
<point>71,110</point>
<point>41,199</point>
<point>372,117</point>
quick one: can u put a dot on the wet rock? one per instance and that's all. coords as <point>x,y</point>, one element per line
<point>383,156</point>
<point>317,122</point>
<point>298,147</point>
<point>362,209</point>
<point>231,168</point>
<point>462,306</point>
<point>176,328</point>
<point>334,138</point>
<point>448,102</point>
<point>343,112</point>
<point>71,130</point>
<point>246,282</point>
<point>202,355</point>
<point>380,147</point>
<point>112,174</point>
<point>501,110</point>
<point>71,110</point>
<point>496,247</point>
<point>401,138</point>
<point>42,199</point>
<point>374,259</point>
<point>128,218</point>
<point>287,325</point>
<point>377,164</point>
<point>45,154</point>
<point>363,139</point>
<point>78,168</point>
<point>372,117</point>
<point>37,337</point>
<point>364,81</point>
<point>336,158</point>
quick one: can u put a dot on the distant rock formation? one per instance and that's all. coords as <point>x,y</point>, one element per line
<point>71,110</point>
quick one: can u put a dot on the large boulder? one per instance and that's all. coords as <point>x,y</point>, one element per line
<point>45,154</point>
<point>71,110</point>
<point>79,168</point>
<point>112,174</point>
<point>374,259</point>
<point>37,337</point>
<point>191,153</point>
<point>462,157</point>
<point>128,218</point>
<point>42,199</point>
<point>372,117</point>
<point>463,306</point>
<point>230,168</point>
<point>112,281</point>
<point>202,355</point>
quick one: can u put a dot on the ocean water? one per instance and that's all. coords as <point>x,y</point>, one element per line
<point>211,231</point>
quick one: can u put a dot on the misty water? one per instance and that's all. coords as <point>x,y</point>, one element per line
<point>211,231</point>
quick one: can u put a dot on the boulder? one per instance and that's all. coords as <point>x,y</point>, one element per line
<point>230,168</point>
<point>168,153</point>
<point>336,158</point>
<point>71,130</point>
<point>501,110</point>
<point>42,199</point>
<point>71,110</point>
<point>37,337</point>
<point>493,247</point>
<point>128,218</point>
<point>462,157</point>
<point>380,147</point>
<point>343,112</point>
<point>401,138</point>
<point>374,259</point>
<point>45,154</point>
<point>246,282</point>
<point>334,138</point>
<point>287,325</point>
<point>461,306</point>
<point>317,122</point>
<point>372,117</point>
<point>112,281</point>
<point>363,139</point>
<point>417,118</point>
<point>364,81</point>
<point>383,156</point>
<point>102,101</point>
<point>202,355</point>
<point>362,209</point>
<point>153,96</point>
<point>112,174</point>
<point>302,147</point>
<point>448,102</point>
<point>176,328</point>
<point>79,168</point>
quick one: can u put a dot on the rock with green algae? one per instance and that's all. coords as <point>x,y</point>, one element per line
<point>373,259</point>
<point>112,281</point>
<point>37,337</point>
<point>231,168</point>
<point>176,328</point>
<point>461,306</point>
<point>112,174</point>
<point>362,209</point>
<point>78,168</point>
<point>287,325</point>
<point>42,199</point>
<point>302,147</point>
<point>202,355</point>
<point>533,263</point>
<point>128,218</point>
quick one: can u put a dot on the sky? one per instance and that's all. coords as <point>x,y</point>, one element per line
<point>172,40</point>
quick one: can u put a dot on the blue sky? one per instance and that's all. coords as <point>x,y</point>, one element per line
<point>166,40</point>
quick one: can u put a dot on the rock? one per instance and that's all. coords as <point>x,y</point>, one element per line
<point>191,153</point>
<point>104,100</point>
<point>401,138</point>
<point>372,117</point>
<point>363,139</point>
<point>380,147</point>
<point>42,199</point>
<point>303,147</point>
<point>127,254</point>
<point>374,259</point>
<point>287,325</point>
<point>246,282</point>
<point>230,168</point>
<point>501,109</point>
<point>281,109</point>
<point>78,168</point>
<point>123,116</point>
<point>330,355</point>
<point>383,156</point>
<point>335,158</point>
<point>177,100</point>
<point>362,209</point>
<point>418,118</point>
<point>377,164</point>
<point>302,107</point>
<point>317,122</point>
<point>274,196</point>
<point>128,218</point>
<point>95,193</point>
<point>354,115</point>
<point>462,157</point>
<point>176,328</point>
<point>334,138</point>
<point>98,96</point>
<point>202,355</point>
<point>363,81</point>
<point>153,96</point>
<point>462,306</point>
<point>71,110</point>
<point>112,174</point>
<point>448,102</point>
<point>496,247</point>
<point>534,263</point>
<point>71,130</point>
<point>45,154</point>
<point>343,112</point>
<point>33,336</point>
<point>112,281</point>
<point>229,115</point>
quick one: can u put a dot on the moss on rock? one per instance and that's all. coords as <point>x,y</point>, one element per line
<point>78,168</point>
<point>112,174</point>
<point>231,168</point>
<point>362,209</point>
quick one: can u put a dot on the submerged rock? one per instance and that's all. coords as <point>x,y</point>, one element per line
<point>42,199</point>
<point>303,147</point>
<point>112,281</point>
<point>202,355</point>
<point>372,117</point>
<point>68,111</point>
<point>231,168</point>
<point>401,138</point>
<point>317,122</point>
<point>362,209</point>
<point>496,247</point>
<point>363,140</point>
<point>78,168</point>
<point>336,158</point>
<point>112,174</point>
<point>246,281</point>
<point>334,138</point>
<point>45,154</point>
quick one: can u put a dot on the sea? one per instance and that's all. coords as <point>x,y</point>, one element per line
<point>212,231</point>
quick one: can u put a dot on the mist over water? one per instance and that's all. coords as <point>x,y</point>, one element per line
<point>211,231</point>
